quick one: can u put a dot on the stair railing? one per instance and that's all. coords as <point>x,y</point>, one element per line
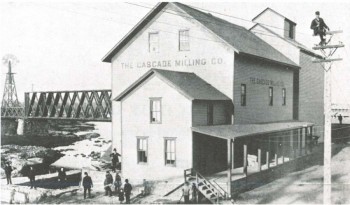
<point>222,190</point>
<point>191,172</point>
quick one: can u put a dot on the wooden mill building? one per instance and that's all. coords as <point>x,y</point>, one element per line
<point>196,91</point>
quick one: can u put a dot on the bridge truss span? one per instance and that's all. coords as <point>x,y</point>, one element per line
<point>86,105</point>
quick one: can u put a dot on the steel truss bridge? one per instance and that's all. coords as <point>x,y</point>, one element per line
<point>83,105</point>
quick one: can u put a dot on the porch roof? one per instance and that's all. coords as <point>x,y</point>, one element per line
<point>244,130</point>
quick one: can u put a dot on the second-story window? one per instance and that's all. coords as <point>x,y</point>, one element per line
<point>210,114</point>
<point>153,40</point>
<point>284,100</point>
<point>243,95</point>
<point>184,40</point>
<point>155,110</point>
<point>271,96</point>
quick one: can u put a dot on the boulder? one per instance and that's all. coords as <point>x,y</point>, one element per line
<point>92,135</point>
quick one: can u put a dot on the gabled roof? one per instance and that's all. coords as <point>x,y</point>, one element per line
<point>188,84</point>
<point>291,41</point>
<point>269,9</point>
<point>241,39</point>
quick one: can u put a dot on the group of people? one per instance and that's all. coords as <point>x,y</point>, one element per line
<point>8,172</point>
<point>109,183</point>
<point>189,190</point>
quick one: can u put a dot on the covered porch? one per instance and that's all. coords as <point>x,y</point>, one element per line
<point>241,150</point>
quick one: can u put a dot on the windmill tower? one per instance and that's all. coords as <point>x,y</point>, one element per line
<point>9,98</point>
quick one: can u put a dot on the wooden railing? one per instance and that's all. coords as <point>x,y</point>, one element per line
<point>193,174</point>
<point>222,190</point>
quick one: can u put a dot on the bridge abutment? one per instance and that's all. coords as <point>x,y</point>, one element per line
<point>24,127</point>
<point>9,126</point>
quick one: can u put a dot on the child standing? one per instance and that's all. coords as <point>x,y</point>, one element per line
<point>121,196</point>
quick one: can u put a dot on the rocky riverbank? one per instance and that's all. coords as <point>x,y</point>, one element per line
<point>41,150</point>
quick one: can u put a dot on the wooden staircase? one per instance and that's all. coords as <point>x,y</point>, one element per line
<point>214,193</point>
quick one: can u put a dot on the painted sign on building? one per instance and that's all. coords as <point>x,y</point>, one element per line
<point>172,63</point>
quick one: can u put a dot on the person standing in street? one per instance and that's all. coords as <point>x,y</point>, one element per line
<point>340,118</point>
<point>62,177</point>
<point>127,191</point>
<point>117,183</point>
<point>194,193</point>
<point>115,159</point>
<point>108,184</point>
<point>8,171</point>
<point>186,192</point>
<point>31,176</point>
<point>87,184</point>
<point>121,195</point>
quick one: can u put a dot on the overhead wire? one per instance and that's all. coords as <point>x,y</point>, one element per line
<point>164,30</point>
<point>215,12</point>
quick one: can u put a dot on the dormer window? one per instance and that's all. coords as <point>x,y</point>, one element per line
<point>289,29</point>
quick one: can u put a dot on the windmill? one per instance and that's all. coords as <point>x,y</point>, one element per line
<point>10,104</point>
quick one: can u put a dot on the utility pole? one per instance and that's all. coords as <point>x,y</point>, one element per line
<point>327,61</point>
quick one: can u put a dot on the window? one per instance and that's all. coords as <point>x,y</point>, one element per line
<point>156,110</point>
<point>184,40</point>
<point>210,113</point>
<point>170,152</point>
<point>284,96</point>
<point>270,96</point>
<point>153,39</point>
<point>142,149</point>
<point>243,95</point>
<point>291,31</point>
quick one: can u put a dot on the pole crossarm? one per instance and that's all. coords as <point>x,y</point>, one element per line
<point>333,32</point>
<point>327,60</point>
<point>87,105</point>
<point>328,46</point>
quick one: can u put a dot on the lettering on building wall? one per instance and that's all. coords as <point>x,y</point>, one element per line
<point>261,81</point>
<point>172,63</point>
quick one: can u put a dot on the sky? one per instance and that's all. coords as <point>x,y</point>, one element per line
<point>60,44</point>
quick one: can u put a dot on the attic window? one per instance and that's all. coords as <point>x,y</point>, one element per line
<point>184,40</point>
<point>153,40</point>
<point>289,29</point>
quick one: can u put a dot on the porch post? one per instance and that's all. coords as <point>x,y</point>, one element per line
<point>311,139</point>
<point>259,159</point>
<point>291,144</point>
<point>268,153</point>
<point>245,160</point>
<point>229,168</point>
<point>305,140</point>
<point>299,139</point>
<point>277,150</point>
<point>233,154</point>
<point>282,148</point>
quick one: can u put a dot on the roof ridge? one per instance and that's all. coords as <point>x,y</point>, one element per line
<point>212,16</point>
<point>291,41</point>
